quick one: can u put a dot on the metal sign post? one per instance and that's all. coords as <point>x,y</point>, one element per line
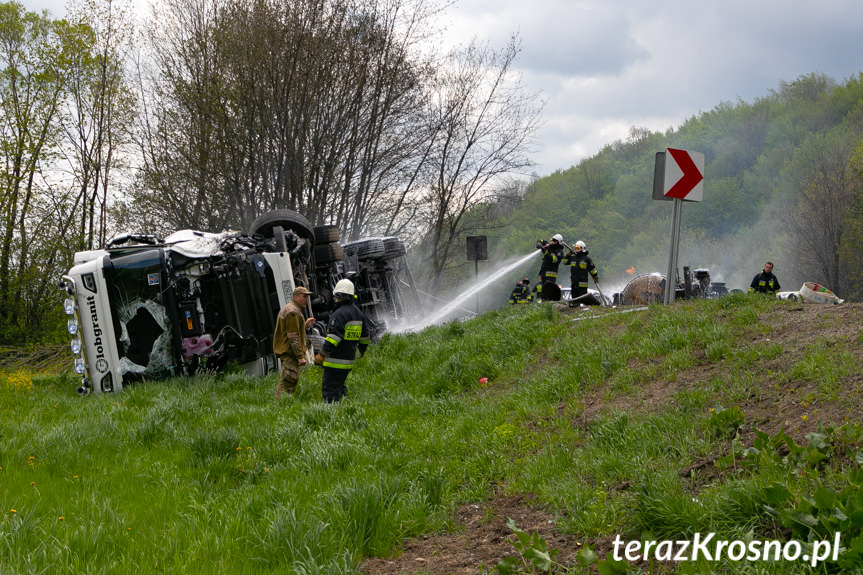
<point>477,249</point>
<point>678,175</point>
<point>671,275</point>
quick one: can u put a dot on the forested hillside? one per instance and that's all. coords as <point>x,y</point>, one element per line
<point>782,182</point>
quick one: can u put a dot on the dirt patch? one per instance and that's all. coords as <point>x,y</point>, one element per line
<point>772,404</point>
<point>484,541</point>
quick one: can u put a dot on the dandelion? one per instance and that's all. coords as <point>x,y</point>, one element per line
<point>804,417</point>
<point>60,518</point>
<point>248,447</point>
<point>12,511</point>
<point>239,449</point>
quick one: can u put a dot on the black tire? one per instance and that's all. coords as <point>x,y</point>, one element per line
<point>287,219</point>
<point>351,248</point>
<point>326,234</point>
<point>328,253</point>
<point>370,249</point>
<point>393,247</point>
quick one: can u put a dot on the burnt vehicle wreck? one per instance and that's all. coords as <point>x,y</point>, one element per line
<point>146,307</point>
<point>650,288</point>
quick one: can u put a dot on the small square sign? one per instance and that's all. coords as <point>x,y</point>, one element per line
<point>477,248</point>
<point>153,279</point>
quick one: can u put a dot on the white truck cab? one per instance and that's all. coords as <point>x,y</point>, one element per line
<point>147,308</point>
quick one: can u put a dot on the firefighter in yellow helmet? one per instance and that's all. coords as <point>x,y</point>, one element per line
<point>580,267</point>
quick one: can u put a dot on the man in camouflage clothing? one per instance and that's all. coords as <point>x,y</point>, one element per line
<point>289,340</point>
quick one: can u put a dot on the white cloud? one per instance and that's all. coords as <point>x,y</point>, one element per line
<point>607,65</point>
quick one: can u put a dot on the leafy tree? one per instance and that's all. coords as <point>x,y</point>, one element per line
<point>35,52</point>
<point>263,104</point>
<point>101,109</point>
<point>825,188</point>
<point>482,124</point>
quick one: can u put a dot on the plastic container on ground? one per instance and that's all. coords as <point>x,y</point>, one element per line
<point>816,293</point>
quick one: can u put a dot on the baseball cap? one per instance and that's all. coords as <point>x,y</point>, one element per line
<point>300,290</point>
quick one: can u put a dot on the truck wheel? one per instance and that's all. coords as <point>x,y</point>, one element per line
<point>327,253</point>
<point>326,234</point>
<point>393,247</point>
<point>350,248</point>
<point>370,249</point>
<point>287,219</point>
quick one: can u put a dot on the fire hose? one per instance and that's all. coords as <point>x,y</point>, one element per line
<point>595,281</point>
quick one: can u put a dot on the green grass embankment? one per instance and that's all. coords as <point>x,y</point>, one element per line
<point>209,475</point>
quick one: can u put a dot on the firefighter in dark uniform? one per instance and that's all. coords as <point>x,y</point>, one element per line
<point>580,266</point>
<point>521,292</point>
<point>765,282</point>
<point>552,254</point>
<point>347,333</point>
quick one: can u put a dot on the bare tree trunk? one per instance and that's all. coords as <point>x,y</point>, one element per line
<point>483,124</point>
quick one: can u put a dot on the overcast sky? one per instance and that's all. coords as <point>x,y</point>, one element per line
<point>606,65</point>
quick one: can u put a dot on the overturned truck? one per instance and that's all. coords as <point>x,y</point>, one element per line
<point>146,307</point>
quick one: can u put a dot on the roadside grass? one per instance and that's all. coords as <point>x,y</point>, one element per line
<point>210,475</point>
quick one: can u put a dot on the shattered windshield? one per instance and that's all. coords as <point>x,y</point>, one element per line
<point>138,299</point>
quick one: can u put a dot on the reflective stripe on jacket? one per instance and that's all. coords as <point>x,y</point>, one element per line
<point>347,331</point>
<point>765,282</point>
<point>580,266</point>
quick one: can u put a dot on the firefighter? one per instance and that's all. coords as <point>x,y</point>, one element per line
<point>552,254</point>
<point>580,266</point>
<point>765,282</point>
<point>521,292</point>
<point>347,334</point>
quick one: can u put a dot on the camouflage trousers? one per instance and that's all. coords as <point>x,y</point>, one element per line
<point>288,376</point>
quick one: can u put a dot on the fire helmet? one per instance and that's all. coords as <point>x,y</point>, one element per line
<point>557,237</point>
<point>580,244</point>
<point>344,288</point>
